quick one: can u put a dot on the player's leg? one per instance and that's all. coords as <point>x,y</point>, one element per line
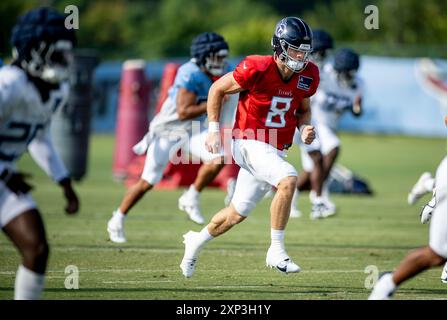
<point>421,259</point>
<point>157,158</point>
<point>303,180</point>
<point>248,192</point>
<point>330,148</point>
<point>190,199</point>
<point>329,161</point>
<point>212,165</point>
<point>277,256</point>
<point>22,223</point>
<point>266,164</point>
<point>307,179</point>
<point>414,263</point>
<point>320,205</point>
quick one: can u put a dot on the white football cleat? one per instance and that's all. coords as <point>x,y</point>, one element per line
<point>115,228</point>
<point>320,211</point>
<point>382,290</point>
<point>192,249</point>
<point>191,206</point>
<point>444,274</point>
<point>428,209</point>
<point>332,207</point>
<point>280,261</point>
<point>419,189</point>
<point>188,267</point>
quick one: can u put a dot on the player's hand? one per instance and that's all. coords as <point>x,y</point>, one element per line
<point>308,134</point>
<point>17,184</point>
<point>72,205</point>
<point>212,142</point>
<point>357,106</point>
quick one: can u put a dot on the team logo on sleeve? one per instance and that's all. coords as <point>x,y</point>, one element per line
<point>304,83</point>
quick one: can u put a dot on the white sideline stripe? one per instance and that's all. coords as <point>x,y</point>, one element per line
<point>172,270</point>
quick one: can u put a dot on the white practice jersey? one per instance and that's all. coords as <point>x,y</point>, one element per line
<point>333,98</point>
<point>192,78</point>
<point>24,122</point>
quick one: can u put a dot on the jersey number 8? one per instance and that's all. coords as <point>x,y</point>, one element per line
<point>276,114</point>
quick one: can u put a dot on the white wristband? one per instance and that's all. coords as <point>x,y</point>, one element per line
<point>213,126</point>
<point>301,128</point>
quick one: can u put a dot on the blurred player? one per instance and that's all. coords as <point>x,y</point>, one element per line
<point>171,130</point>
<point>425,184</point>
<point>435,254</point>
<point>340,90</point>
<point>30,90</point>
<point>273,101</point>
<point>312,178</point>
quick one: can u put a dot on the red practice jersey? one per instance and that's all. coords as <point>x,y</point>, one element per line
<point>267,109</point>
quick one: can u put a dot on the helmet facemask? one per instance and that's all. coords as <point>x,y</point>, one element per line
<point>346,77</point>
<point>50,62</point>
<point>215,63</point>
<point>295,58</point>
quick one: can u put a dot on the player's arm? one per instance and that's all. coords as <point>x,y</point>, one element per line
<point>187,106</point>
<point>304,115</point>
<point>44,154</point>
<point>225,85</point>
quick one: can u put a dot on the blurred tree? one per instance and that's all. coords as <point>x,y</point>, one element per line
<point>170,33</point>
<point>9,12</point>
<point>153,29</point>
<point>406,27</point>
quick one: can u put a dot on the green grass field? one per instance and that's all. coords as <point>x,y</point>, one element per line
<point>333,253</point>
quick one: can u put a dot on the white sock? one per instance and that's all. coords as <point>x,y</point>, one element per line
<point>389,280</point>
<point>191,252</point>
<point>119,216</point>
<point>204,235</point>
<point>28,284</point>
<point>192,192</point>
<point>277,237</point>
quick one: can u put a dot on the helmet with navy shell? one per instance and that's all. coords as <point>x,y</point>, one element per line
<point>346,64</point>
<point>292,35</point>
<point>322,43</point>
<point>42,45</point>
<point>209,50</point>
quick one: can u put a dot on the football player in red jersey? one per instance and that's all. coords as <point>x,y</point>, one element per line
<point>273,101</point>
